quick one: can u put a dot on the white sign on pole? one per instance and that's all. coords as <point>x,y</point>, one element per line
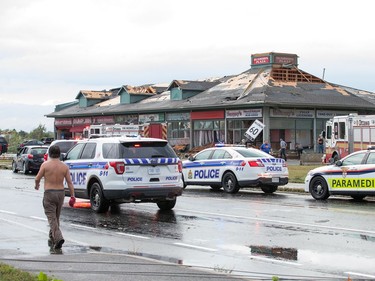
<point>254,130</point>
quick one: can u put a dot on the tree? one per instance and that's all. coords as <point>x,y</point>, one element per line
<point>38,132</point>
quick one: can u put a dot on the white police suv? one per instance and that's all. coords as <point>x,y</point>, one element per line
<point>235,167</point>
<point>354,175</point>
<point>119,170</point>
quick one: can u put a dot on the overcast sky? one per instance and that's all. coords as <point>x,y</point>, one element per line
<point>50,50</point>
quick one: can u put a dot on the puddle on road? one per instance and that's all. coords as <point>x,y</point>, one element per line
<point>337,260</point>
<point>275,252</point>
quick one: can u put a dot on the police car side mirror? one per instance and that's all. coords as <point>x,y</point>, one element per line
<point>191,158</point>
<point>338,163</point>
<point>63,156</point>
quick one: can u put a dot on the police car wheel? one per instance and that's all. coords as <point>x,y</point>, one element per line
<point>166,205</point>
<point>319,188</point>
<point>215,187</point>
<point>98,203</point>
<point>14,167</point>
<point>230,183</point>
<point>269,188</point>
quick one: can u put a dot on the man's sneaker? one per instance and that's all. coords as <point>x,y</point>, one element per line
<point>59,244</point>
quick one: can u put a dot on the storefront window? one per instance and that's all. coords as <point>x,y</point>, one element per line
<point>293,131</point>
<point>206,132</point>
<point>236,131</point>
<point>178,129</point>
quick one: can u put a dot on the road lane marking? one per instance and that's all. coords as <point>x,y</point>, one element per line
<point>195,247</point>
<point>83,226</point>
<point>25,226</point>
<point>283,222</point>
<point>360,274</point>
<point>38,218</point>
<point>8,212</point>
<point>120,233</point>
<point>275,260</point>
<point>132,235</point>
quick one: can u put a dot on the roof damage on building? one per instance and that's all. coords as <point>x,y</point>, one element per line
<point>273,80</point>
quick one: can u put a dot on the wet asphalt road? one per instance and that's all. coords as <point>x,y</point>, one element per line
<point>248,234</point>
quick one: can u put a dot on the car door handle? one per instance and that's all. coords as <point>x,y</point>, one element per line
<point>89,165</point>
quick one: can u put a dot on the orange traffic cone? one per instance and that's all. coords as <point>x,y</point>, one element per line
<point>82,205</point>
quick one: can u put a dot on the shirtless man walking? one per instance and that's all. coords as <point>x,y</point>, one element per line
<point>54,172</point>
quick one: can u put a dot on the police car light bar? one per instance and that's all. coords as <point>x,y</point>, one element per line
<point>228,145</point>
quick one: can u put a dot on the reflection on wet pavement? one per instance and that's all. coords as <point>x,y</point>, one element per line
<point>275,252</point>
<point>159,224</point>
<point>79,249</point>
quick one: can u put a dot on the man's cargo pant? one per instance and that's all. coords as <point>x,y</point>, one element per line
<point>53,201</point>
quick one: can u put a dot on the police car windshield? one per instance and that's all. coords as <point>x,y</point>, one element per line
<point>137,150</point>
<point>251,152</point>
<point>65,145</point>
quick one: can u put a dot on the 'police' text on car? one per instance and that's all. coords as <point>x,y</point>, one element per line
<point>235,167</point>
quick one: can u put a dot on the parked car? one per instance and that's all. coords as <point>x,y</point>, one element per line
<point>234,167</point>
<point>3,145</point>
<point>354,175</point>
<point>29,159</point>
<point>47,140</point>
<point>116,170</point>
<point>29,142</point>
<point>64,146</point>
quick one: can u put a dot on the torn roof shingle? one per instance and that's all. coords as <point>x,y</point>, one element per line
<point>99,95</point>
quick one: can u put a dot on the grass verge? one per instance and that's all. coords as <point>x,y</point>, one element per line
<point>297,173</point>
<point>9,273</point>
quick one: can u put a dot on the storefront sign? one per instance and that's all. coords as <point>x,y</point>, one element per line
<point>207,115</point>
<point>328,114</point>
<point>246,113</point>
<point>261,60</point>
<point>126,119</point>
<point>178,116</point>
<point>145,118</point>
<point>63,122</point>
<point>292,113</point>
<point>103,120</point>
<point>80,121</point>
<point>285,60</point>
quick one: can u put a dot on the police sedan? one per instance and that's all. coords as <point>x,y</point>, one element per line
<point>232,168</point>
<point>354,175</point>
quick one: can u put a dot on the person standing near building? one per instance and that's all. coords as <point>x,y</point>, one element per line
<point>283,149</point>
<point>320,144</point>
<point>54,173</point>
<point>266,147</point>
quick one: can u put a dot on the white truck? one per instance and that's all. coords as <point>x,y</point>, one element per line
<point>348,133</point>
<point>116,130</point>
